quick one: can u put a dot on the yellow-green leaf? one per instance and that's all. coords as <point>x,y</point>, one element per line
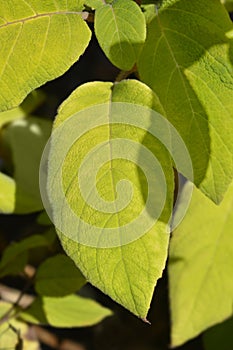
<point>126,272</point>
<point>69,311</point>
<point>39,41</point>
<point>121,30</point>
<point>200,267</point>
<point>187,61</point>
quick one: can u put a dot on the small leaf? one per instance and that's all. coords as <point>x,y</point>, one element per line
<point>121,30</point>
<point>58,276</point>
<point>187,61</point>
<point>69,311</point>
<point>94,4</point>
<point>127,273</point>
<point>200,267</point>
<point>149,12</point>
<point>43,219</point>
<point>15,256</point>
<point>39,41</point>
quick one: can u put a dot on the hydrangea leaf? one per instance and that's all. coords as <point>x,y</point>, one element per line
<point>127,273</point>
<point>121,30</point>
<point>187,61</point>
<point>200,267</point>
<point>68,311</point>
<point>58,276</point>
<point>39,41</point>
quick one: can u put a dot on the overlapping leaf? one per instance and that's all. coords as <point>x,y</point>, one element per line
<point>187,61</point>
<point>121,30</point>
<point>58,276</point>
<point>69,311</point>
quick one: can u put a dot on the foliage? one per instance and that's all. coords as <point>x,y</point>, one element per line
<point>171,105</point>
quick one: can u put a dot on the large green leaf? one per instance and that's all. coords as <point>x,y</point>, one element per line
<point>121,30</point>
<point>69,311</point>
<point>200,267</point>
<point>24,139</point>
<point>58,276</point>
<point>127,273</point>
<point>187,61</point>
<point>39,41</point>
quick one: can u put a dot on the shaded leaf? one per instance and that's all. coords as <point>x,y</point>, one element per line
<point>58,276</point>
<point>219,336</point>
<point>43,219</point>
<point>69,311</point>
<point>25,140</point>
<point>15,256</point>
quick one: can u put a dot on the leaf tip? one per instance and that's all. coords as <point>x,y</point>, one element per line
<point>145,320</point>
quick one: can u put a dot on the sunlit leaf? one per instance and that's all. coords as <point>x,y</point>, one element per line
<point>39,41</point>
<point>200,267</point>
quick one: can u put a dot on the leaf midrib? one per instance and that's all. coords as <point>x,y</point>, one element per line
<point>41,15</point>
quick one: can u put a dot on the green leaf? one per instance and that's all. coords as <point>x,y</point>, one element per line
<point>69,311</point>
<point>200,267</point>
<point>15,256</point>
<point>149,12</point>
<point>58,276</point>
<point>127,273</point>
<point>94,4</point>
<point>7,194</point>
<point>9,116</point>
<point>121,30</point>
<point>39,41</point>
<point>187,61</point>
<point>13,333</point>
<point>32,101</point>
<point>43,219</point>
<point>219,337</point>
<point>22,195</point>
<point>228,4</point>
<point>4,308</point>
